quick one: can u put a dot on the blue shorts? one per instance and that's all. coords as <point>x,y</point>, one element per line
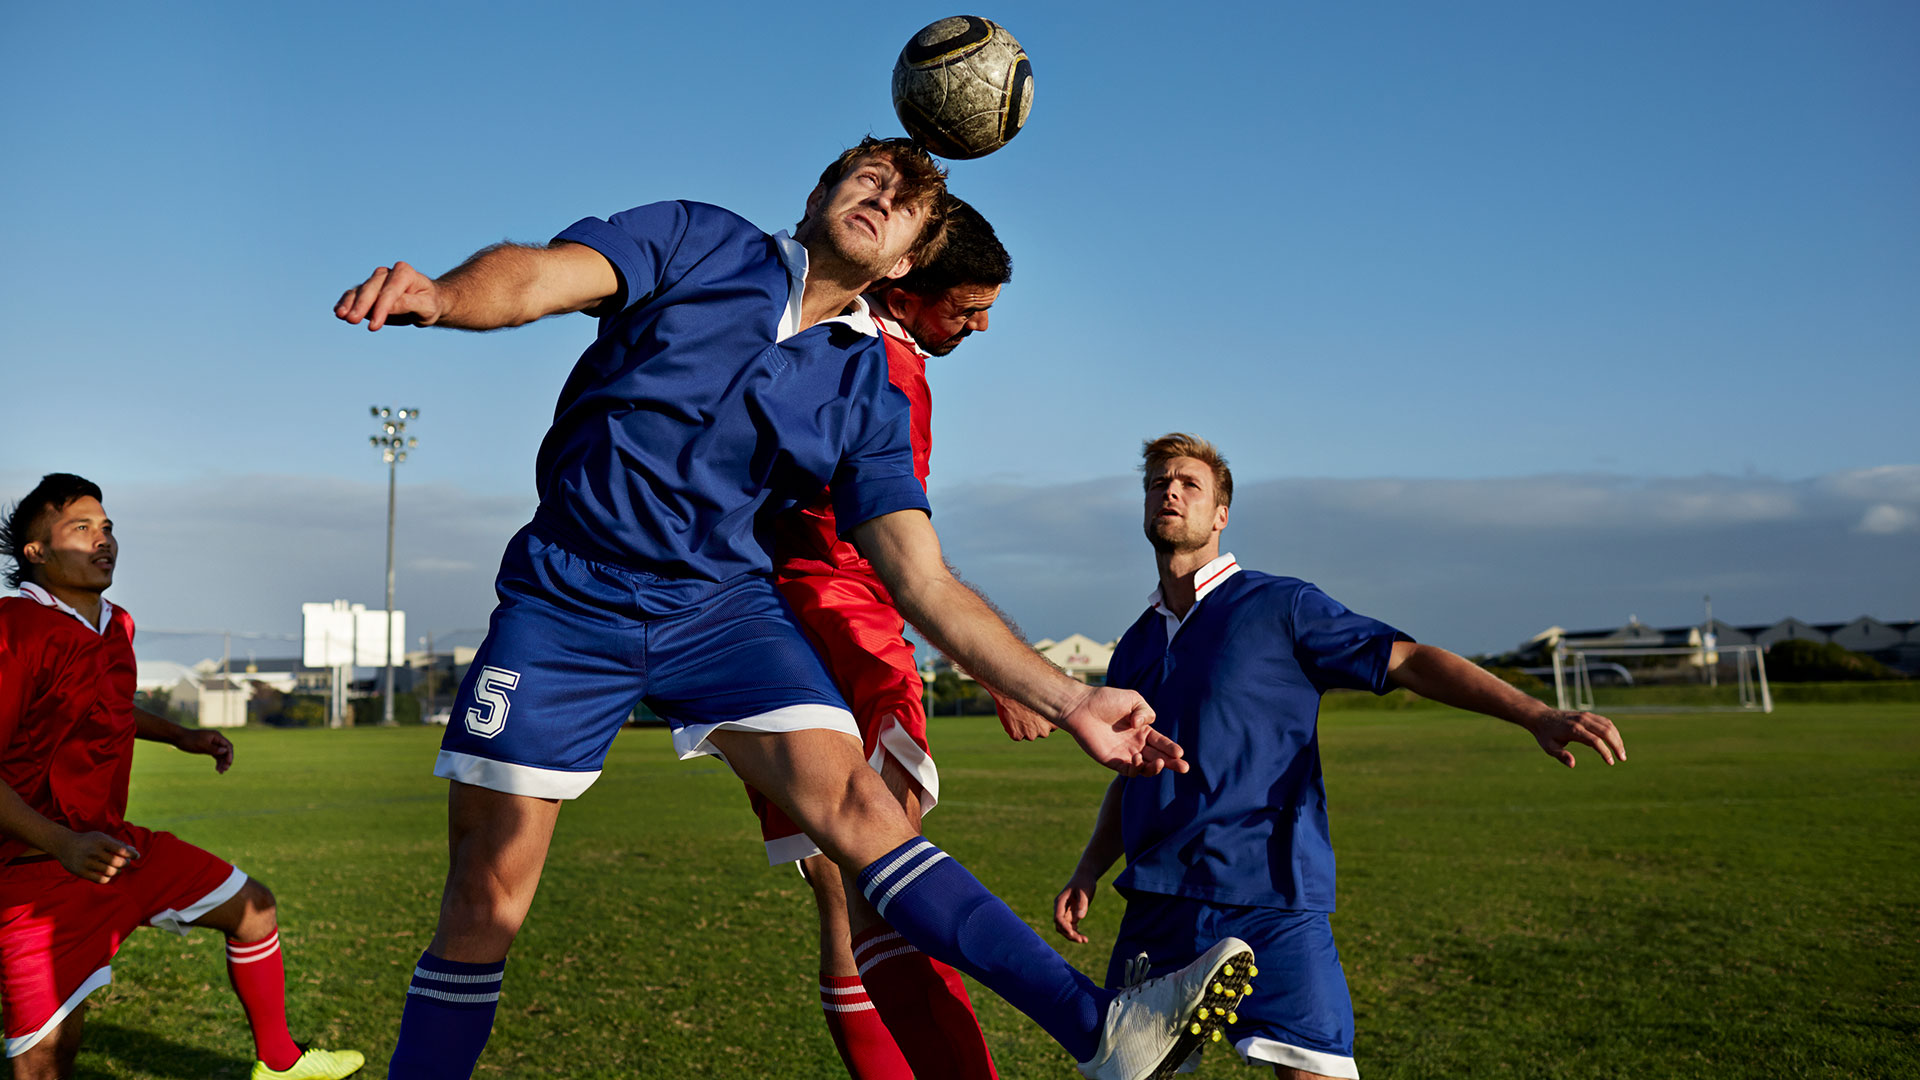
<point>575,644</point>
<point>1299,1013</point>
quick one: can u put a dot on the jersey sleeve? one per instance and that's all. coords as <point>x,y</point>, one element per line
<point>1340,649</point>
<point>638,242</point>
<point>876,474</point>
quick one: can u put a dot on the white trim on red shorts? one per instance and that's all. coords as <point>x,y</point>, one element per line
<point>1274,1052</point>
<point>513,779</point>
<point>100,978</point>
<point>791,849</point>
<point>690,740</point>
<point>180,920</point>
<point>918,763</point>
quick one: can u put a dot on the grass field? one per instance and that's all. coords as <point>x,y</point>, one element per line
<point>1741,898</point>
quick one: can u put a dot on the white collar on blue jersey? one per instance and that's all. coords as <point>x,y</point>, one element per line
<point>36,593</point>
<point>793,255</point>
<point>1205,580</point>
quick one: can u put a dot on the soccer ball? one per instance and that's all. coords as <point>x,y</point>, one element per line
<point>963,87</point>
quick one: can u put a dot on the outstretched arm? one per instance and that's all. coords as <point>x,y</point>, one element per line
<point>1110,725</point>
<point>1103,847</point>
<point>188,740</point>
<point>504,285</point>
<point>1454,680</point>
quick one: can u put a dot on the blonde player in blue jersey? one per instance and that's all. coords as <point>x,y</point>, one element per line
<point>734,374</point>
<point>1234,661</point>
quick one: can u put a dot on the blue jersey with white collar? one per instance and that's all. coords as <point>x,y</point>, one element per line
<point>690,412</point>
<point>1239,689</point>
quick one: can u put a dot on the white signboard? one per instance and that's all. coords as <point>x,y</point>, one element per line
<point>338,634</point>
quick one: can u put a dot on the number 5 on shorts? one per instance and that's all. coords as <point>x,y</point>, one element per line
<point>490,689</point>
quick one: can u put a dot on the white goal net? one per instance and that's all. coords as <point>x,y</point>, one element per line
<point>1693,678</point>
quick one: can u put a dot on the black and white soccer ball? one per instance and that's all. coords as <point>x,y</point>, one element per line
<point>963,87</point>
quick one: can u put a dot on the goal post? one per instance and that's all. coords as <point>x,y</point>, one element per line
<point>1687,678</point>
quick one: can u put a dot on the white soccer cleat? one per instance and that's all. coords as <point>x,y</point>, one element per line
<point>1153,1027</point>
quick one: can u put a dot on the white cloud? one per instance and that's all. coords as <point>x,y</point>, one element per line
<point>1884,519</point>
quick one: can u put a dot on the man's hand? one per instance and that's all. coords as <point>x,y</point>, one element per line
<point>1114,727</point>
<point>1072,904</point>
<point>211,743</point>
<point>1022,723</point>
<point>1554,729</point>
<point>398,294</point>
<point>94,856</point>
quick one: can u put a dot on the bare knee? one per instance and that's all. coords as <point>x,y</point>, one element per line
<point>823,877</point>
<point>52,1057</point>
<point>259,916</point>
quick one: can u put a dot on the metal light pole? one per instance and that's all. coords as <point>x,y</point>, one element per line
<point>393,444</point>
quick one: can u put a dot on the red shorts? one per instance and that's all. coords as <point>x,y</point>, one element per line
<point>859,634</point>
<point>58,933</point>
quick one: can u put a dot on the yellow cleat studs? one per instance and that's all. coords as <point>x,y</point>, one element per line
<point>1218,989</point>
<point>1228,970</point>
<point>1195,1028</point>
<point>1216,1035</point>
<point>1252,972</point>
<point>1233,1018</point>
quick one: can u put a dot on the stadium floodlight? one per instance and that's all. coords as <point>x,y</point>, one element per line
<point>393,444</point>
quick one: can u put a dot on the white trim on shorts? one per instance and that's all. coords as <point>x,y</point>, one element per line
<point>180,920</point>
<point>1254,1048</point>
<point>100,978</point>
<point>893,740</point>
<point>512,779</point>
<point>918,763</point>
<point>690,740</point>
<point>791,849</point>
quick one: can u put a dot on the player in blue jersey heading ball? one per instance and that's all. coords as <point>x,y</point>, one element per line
<point>734,374</point>
<point>1235,662</point>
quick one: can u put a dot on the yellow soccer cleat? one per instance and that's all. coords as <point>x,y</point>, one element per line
<point>314,1065</point>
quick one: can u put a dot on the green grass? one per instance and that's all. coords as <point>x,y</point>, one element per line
<point>1742,898</point>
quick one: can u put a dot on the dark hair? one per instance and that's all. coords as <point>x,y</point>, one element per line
<point>922,181</point>
<point>27,517</point>
<point>973,255</point>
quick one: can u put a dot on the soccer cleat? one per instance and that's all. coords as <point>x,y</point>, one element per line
<point>1152,1027</point>
<point>314,1065</point>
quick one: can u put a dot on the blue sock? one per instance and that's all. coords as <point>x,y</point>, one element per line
<point>448,1017</point>
<point>945,912</point>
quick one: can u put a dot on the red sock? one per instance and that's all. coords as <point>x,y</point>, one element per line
<point>925,1006</point>
<point>858,1034</point>
<point>260,979</point>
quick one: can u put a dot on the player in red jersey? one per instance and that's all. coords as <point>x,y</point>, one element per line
<point>894,1013</point>
<point>75,876</point>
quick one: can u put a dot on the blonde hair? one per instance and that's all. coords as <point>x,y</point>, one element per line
<point>1180,444</point>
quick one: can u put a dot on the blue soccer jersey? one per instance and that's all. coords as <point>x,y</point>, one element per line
<point>697,404</point>
<point>1238,685</point>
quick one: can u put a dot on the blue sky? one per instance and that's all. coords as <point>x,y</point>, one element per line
<point>1461,248</point>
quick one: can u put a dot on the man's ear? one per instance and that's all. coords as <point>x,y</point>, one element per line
<point>900,268</point>
<point>34,552</point>
<point>1220,518</point>
<point>814,199</point>
<point>898,302</point>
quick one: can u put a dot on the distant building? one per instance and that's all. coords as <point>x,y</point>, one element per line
<point>1076,654</point>
<point>1895,644</point>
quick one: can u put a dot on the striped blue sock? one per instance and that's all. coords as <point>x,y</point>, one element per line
<point>448,1017</point>
<point>945,912</point>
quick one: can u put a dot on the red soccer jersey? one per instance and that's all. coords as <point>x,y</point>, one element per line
<point>66,716</point>
<point>806,541</point>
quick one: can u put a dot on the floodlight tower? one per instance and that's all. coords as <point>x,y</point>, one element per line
<point>393,444</point>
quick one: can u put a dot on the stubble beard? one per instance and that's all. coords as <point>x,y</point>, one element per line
<point>1183,541</point>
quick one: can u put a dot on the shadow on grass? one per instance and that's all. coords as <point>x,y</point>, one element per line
<point>151,1055</point>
